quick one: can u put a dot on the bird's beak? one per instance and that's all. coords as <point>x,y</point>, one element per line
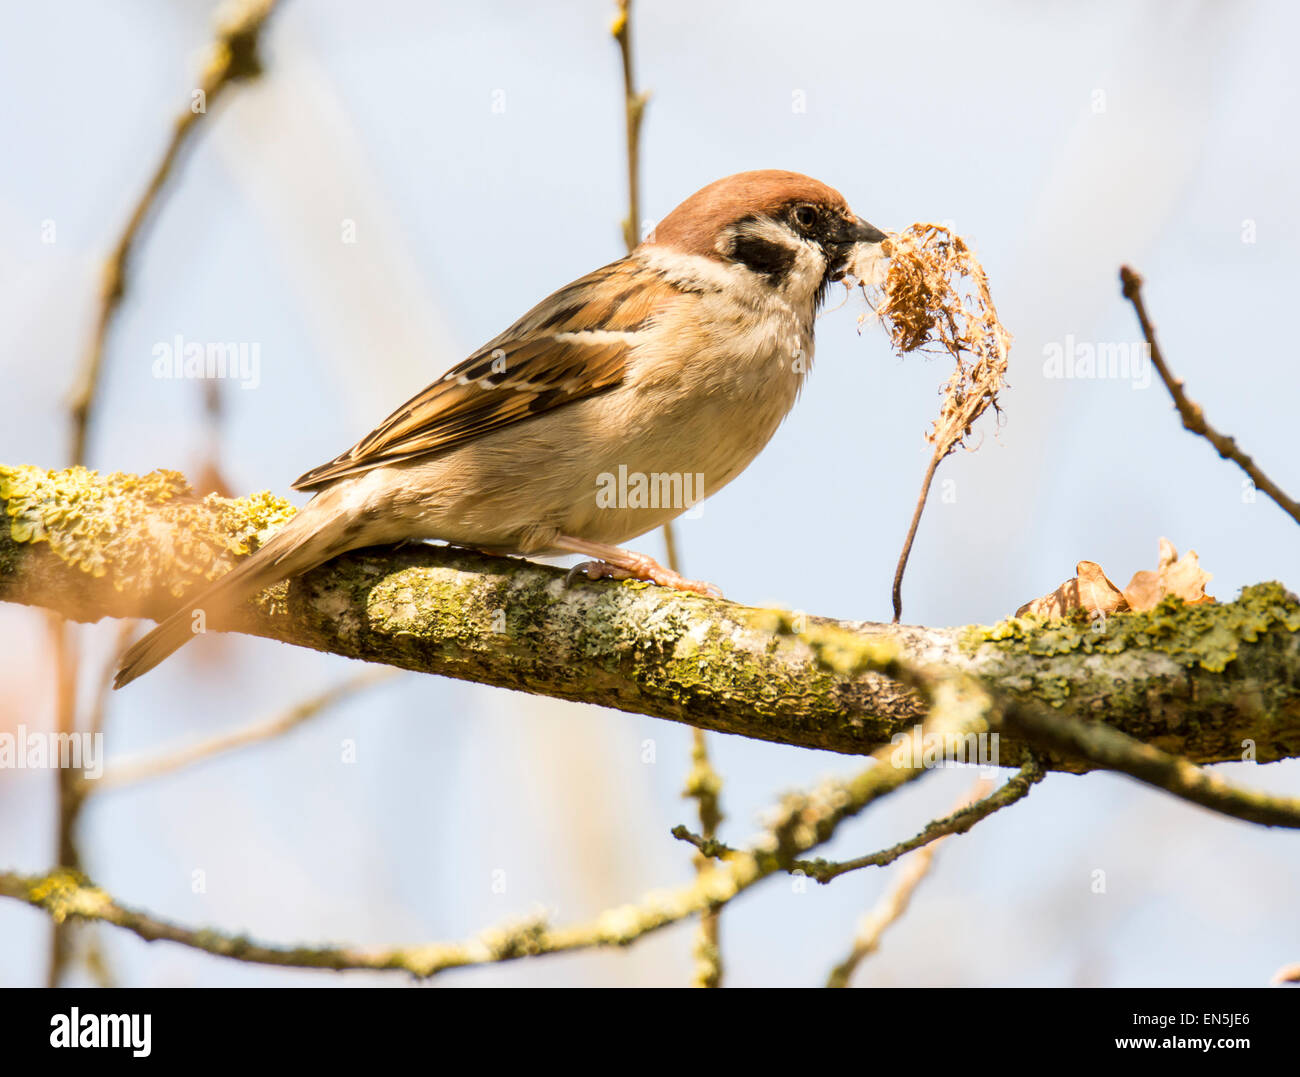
<point>859,231</point>
<point>858,245</point>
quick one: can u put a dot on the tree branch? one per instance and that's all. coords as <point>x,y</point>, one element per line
<point>124,772</point>
<point>801,822</point>
<point>1110,749</point>
<point>1212,682</point>
<point>960,821</point>
<point>234,55</point>
<point>894,904</point>
<point>1190,412</point>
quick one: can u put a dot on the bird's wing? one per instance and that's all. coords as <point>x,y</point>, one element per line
<point>570,346</point>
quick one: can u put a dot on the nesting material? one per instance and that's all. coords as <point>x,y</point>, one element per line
<point>935,298</point>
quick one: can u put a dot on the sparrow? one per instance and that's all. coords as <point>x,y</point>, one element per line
<point>605,411</point>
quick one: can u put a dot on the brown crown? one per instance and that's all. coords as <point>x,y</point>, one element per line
<point>693,227</point>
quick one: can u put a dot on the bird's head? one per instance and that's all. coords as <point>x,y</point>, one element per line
<point>793,233</point>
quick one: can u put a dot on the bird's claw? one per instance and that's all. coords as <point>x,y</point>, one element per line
<point>651,573</point>
<point>597,570</point>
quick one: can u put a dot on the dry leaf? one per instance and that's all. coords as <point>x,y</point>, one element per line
<point>1090,590</point>
<point>1182,577</point>
<point>1144,591</point>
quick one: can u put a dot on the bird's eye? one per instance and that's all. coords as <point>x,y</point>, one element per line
<point>805,216</point>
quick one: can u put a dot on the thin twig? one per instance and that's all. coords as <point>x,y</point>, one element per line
<point>1106,747</point>
<point>104,686</point>
<point>71,790</point>
<point>959,822</point>
<point>921,499</point>
<point>801,823</point>
<point>670,547</point>
<point>890,909</point>
<point>133,771</point>
<point>634,103</point>
<point>936,298</point>
<point>704,782</point>
<point>233,56</point>
<point>209,479</point>
<point>634,109</point>
<point>1190,412</point>
<point>70,801</point>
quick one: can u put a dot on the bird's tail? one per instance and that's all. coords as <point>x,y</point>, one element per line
<point>309,539</point>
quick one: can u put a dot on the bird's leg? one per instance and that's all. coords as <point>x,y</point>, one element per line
<point>619,564</point>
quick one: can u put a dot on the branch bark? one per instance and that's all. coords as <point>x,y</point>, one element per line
<point>1211,682</point>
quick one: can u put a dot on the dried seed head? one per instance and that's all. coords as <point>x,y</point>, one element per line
<point>935,298</point>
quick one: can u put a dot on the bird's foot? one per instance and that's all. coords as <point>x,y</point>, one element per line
<point>616,564</point>
<point>597,570</point>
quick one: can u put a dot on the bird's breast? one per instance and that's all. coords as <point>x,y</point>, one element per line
<point>710,390</point>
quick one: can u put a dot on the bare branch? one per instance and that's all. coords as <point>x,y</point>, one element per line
<point>959,822</point>
<point>634,103</point>
<point>133,771</point>
<point>1190,412</point>
<point>802,822</point>
<point>890,909</point>
<point>704,785</point>
<point>704,782</point>
<point>233,56</point>
<point>1110,749</point>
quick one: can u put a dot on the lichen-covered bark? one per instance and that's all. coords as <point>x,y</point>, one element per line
<point>1201,681</point>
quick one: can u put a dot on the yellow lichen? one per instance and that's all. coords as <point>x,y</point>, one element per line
<point>135,529</point>
<point>65,893</point>
<point>1204,634</point>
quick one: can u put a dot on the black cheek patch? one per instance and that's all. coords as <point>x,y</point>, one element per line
<point>837,259</point>
<point>762,255</point>
<point>823,289</point>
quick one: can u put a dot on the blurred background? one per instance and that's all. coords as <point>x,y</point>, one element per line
<point>478,153</point>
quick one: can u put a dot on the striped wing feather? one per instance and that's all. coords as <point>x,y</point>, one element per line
<point>561,351</point>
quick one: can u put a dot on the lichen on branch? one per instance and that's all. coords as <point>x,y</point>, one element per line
<point>102,525</point>
<point>1212,682</point>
